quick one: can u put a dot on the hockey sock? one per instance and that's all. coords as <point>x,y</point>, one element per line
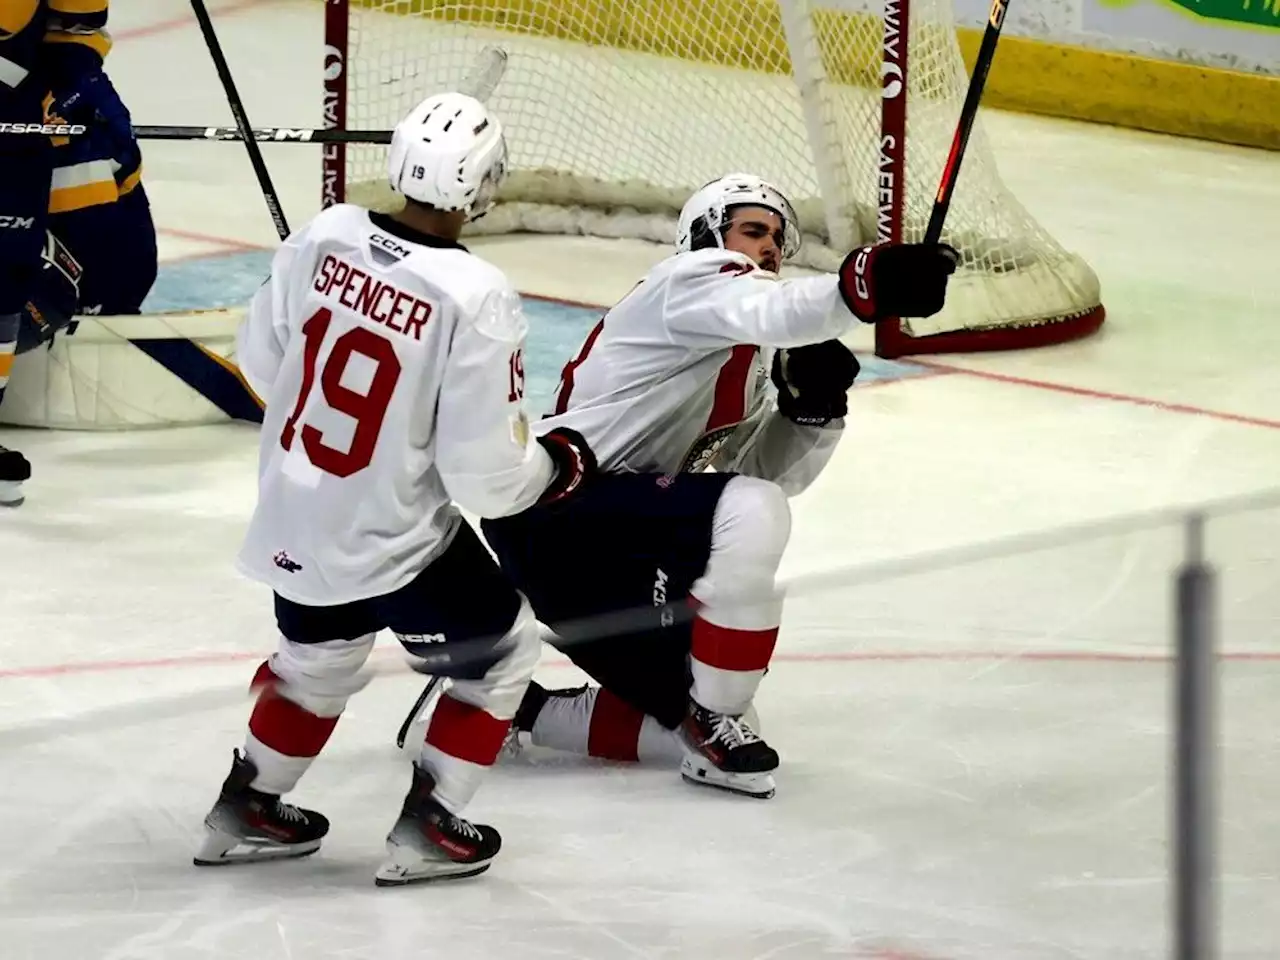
<point>728,664</point>
<point>284,737</point>
<point>462,742</point>
<point>593,722</point>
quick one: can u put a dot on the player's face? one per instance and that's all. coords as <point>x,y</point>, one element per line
<point>759,234</point>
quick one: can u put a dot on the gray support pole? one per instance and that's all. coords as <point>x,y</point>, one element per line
<point>1195,771</point>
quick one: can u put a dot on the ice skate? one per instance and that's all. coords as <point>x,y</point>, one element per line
<point>723,751</point>
<point>430,843</point>
<point>247,825</point>
<point>14,471</point>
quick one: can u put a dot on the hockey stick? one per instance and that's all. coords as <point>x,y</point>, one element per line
<point>968,113</point>
<point>262,134</point>
<point>421,702</point>
<point>242,120</point>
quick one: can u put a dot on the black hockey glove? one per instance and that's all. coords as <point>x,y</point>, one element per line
<point>575,463</point>
<point>896,280</point>
<point>813,382</point>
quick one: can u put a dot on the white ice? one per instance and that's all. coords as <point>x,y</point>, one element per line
<point>976,758</point>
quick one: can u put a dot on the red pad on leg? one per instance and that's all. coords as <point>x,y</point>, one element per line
<point>466,732</point>
<point>729,649</point>
<point>614,733</point>
<point>281,724</point>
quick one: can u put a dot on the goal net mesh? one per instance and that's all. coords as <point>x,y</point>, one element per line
<point>616,110</point>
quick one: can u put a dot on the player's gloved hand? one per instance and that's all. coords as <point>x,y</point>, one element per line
<point>90,98</point>
<point>896,280</point>
<point>575,463</point>
<point>54,297</point>
<point>813,382</point>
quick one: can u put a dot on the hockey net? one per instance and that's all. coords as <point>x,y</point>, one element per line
<point>617,110</point>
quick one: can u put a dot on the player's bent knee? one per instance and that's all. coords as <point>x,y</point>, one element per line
<point>752,519</point>
<point>499,690</point>
<point>321,677</point>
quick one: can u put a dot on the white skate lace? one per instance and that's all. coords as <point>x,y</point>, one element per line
<point>465,828</point>
<point>733,732</point>
<point>287,811</point>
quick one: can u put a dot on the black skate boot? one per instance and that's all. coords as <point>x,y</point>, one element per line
<point>723,751</point>
<point>430,843</point>
<point>246,825</point>
<point>14,471</point>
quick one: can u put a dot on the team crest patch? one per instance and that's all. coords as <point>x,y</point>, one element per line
<point>286,562</point>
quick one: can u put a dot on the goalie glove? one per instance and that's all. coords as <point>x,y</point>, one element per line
<point>813,382</point>
<point>55,297</point>
<point>574,461</point>
<point>896,280</point>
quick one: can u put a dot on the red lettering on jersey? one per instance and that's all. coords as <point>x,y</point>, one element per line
<point>419,314</point>
<point>381,302</point>
<point>324,277</point>
<point>736,267</point>
<point>730,403</point>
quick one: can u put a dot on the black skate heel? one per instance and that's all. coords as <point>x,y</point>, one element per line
<point>430,843</point>
<point>723,751</point>
<point>247,825</point>
<point>14,472</point>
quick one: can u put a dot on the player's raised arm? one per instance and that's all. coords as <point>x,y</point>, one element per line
<point>739,229</point>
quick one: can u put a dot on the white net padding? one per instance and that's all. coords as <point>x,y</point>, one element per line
<point>616,111</point>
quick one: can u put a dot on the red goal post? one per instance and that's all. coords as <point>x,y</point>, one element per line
<point>616,110</point>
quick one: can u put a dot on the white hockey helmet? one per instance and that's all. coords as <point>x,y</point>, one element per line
<point>448,153</point>
<point>707,212</point>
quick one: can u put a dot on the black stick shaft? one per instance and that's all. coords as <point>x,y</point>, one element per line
<point>241,118</point>
<point>951,172</point>
<point>262,134</point>
<point>403,733</point>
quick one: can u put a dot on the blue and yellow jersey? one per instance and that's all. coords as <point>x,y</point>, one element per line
<point>85,172</point>
<point>52,43</point>
<point>22,30</point>
<point>77,25</point>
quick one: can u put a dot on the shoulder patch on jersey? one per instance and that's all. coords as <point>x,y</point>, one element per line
<point>501,316</point>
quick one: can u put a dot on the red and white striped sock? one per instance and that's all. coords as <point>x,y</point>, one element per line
<point>462,742</point>
<point>596,723</point>
<point>728,664</point>
<point>284,737</point>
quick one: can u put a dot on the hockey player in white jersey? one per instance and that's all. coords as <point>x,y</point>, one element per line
<point>389,359</point>
<point>676,379</point>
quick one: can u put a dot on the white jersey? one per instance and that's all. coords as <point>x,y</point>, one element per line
<point>390,365</point>
<point>676,376</point>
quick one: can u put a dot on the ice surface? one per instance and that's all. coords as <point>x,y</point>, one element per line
<point>975,758</point>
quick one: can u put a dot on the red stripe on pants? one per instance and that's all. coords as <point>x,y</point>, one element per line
<point>284,726</point>
<point>466,732</point>
<point>730,649</point>
<point>614,733</point>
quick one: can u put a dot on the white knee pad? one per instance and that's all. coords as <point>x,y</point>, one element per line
<point>321,677</point>
<point>749,534</point>
<point>502,687</point>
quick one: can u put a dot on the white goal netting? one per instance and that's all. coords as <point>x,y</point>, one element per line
<point>616,111</point>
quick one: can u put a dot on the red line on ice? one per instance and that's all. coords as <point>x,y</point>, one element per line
<point>838,656</point>
<point>165,26</point>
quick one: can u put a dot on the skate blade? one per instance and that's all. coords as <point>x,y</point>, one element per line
<point>401,875</point>
<point>701,773</point>
<point>222,849</point>
<point>11,494</point>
